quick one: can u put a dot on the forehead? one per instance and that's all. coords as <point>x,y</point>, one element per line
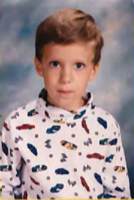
<point>76,49</point>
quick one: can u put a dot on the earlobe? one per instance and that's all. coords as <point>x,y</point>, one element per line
<point>38,67</point>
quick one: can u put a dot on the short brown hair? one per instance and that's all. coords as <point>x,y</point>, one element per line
<point>68,26</point>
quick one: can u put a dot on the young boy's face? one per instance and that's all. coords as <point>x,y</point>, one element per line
<point>66,71</point>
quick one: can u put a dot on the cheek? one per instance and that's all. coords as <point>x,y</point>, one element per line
<point>83,78</point>
<point>50,80</point>
<point>82,84</point>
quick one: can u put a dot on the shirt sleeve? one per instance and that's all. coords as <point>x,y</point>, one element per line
<point>116,181</point>
<point>10,163</point>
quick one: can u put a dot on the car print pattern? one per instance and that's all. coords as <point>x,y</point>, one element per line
<point>25,126</point>
<point>64,155</point>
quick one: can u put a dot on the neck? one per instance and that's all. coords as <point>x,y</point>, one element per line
<point>72,108</point>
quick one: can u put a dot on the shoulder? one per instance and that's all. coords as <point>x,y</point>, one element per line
<point>17,120</point>
<point>21,113</point>
<point>106,119</point>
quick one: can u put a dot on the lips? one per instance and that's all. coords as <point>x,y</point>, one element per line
<point>65,91</point>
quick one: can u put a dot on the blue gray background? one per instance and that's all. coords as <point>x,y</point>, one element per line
<point>113,88</point>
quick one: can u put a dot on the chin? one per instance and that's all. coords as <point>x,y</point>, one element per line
<point>62,103</point>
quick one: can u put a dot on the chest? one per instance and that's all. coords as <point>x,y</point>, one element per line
<point>62,143</point>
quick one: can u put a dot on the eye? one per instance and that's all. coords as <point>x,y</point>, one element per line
<point>54,64</point>
<point>79,65</point>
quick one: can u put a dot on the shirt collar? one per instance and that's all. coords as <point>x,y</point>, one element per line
<point>50,111</point>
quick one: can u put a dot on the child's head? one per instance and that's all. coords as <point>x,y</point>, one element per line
<point>68,51</point>
<point>69,26</point>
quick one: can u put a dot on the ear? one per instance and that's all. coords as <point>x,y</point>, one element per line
<point>94,71</point>
<point>38,66</point>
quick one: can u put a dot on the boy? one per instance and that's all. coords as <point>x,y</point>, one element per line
<point>62,145</point>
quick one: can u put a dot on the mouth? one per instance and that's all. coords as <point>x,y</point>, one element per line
<point>65,92</point>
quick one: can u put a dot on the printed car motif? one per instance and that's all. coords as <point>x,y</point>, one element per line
<point>102,122</point>
<point>109,158</point>
<point>61,171</point>
<point>6,126</point>
<point>53,129</point>
<point>98,178</point>
<point>84,125</point>
<point>68,145</point>
<point>60,121</point>
<point>77,116</point>
<point>96,155</point>
<point>119,189</point>
<point>57,188</point>
<point>103,141</point>
<point>84,183</point>
<point>38,168</point>
<point>33,149</point>
<point>113,141</point>
<point>25,126</point>
<point>32,113</point>
<point>119,168</point>
<point>34,181</point>
<point>105,195</point>
<point>5,168</point>
<point>4,148</point>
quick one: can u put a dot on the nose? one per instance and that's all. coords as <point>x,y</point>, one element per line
<point>66,75</point>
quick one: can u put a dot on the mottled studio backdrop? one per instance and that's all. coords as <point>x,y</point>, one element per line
<point>114,87</point>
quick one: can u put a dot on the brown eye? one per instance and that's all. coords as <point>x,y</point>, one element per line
<point>79,65</point>
<point>54,64</point>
